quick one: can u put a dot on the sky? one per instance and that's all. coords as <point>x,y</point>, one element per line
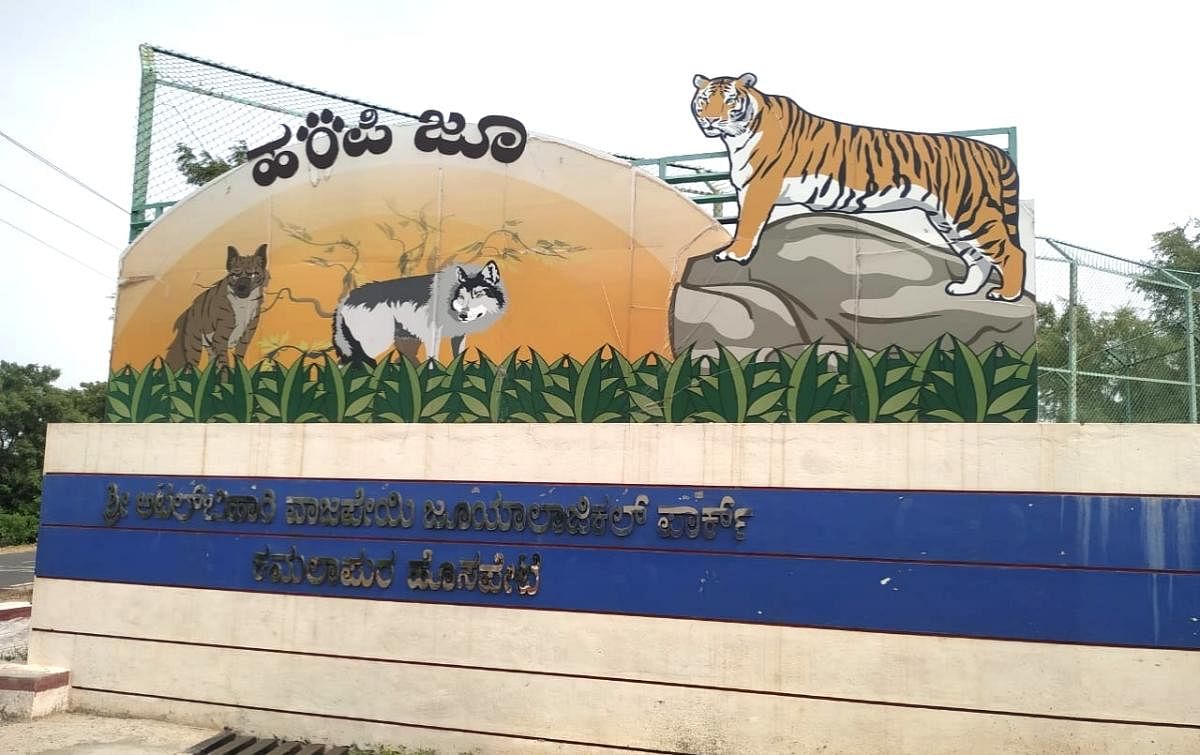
<point>1105,102</point>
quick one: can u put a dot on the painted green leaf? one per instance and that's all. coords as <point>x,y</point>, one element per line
<point>557,404</point>
<point>766,373</point>
<point>829,415</point>
<point>900,400</point>
<point>139,394</point>
<point>864,384</point>
<point>678,377</point>
<point>731,383</point>
<point>333,381</point>
<point>202,387</point>
<point>765,402</point>
<point>496,390</point>
<point>119,407</point>
<point>946,414</point>
<point>944,376</point>
<point>923,361</point>
<point>434,405</point>
<point>1008,400</point>
<point>802,386</point>
<point>1007,372</point>
<point>474,405</point>
<point>969,382</point>
<point>181,406</point>
<point>646,404</point>
<point>269,407</point>
<point>410,383</point>
<point>587,390</point>
<point>360,407</point>
<point>896,373</point>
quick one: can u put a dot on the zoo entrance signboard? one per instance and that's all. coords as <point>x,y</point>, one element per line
<point>455,271</point>
<point>875,560</point>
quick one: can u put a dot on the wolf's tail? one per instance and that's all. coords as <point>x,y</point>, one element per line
<point>347,346</point>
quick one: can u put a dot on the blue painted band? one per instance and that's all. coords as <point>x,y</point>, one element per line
<point>1022,603</point>
<point>1100,532</point>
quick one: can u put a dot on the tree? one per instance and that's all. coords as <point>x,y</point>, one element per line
<point>1179,253</point>
<point>28,402</point>
<point>1124,343</point>
<point>202,168</point>
<point>91,400</point>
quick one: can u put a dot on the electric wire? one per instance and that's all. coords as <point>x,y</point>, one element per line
<point>59,170</point>
<point>68,221</point>
<point>51,247</point>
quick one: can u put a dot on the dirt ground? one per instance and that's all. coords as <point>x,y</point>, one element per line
<point>81,734</point>
<point>22,594</point>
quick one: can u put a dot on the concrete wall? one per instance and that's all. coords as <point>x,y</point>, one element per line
<point>176,640</point>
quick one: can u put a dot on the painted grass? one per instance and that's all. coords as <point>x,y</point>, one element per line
<point>946,382</point>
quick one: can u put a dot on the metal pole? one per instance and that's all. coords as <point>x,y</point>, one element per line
<point>1191,355</point>
<point>1073,348</point>
<point>141,155</point>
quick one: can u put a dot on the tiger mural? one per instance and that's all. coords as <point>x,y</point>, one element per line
<point>781,154</point>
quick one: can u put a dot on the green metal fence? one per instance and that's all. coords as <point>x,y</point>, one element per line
<point>212,110</point>
<point>1117,338</point>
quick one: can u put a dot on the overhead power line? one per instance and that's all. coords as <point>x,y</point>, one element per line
<point>68,221</point>
<point>51,247</point>
<point>63,172</point>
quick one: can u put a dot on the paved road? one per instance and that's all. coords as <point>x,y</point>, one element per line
<point>16,568</point>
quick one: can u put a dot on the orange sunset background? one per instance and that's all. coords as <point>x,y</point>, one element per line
<point>589,250</point>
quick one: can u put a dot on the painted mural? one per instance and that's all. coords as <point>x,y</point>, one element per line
<point>456,271</point>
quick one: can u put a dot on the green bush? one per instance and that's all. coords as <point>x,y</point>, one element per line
<point>946,382</point>
<point>18,529</point>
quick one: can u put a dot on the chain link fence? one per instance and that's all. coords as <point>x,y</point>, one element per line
<point>1117,338</point>
<point>208,114</point>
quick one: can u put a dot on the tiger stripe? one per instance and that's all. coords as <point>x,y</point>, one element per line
<point>968,189</point>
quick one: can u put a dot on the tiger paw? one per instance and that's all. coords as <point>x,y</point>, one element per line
<point>725,254</point>
<point>960,288</point>
<point>996,295</point>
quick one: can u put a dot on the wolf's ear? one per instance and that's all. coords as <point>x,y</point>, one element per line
<point>700,81</point>
<point>230,256</point>
<point>491,273</point>
<point>261,253</point>
<point>462,275</point>
<point>748,79</point>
